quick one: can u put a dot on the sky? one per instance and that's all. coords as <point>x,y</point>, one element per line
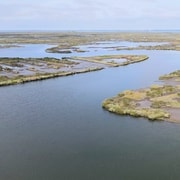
<point>89,14</point>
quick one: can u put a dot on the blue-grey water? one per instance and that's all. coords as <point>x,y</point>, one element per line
<point>56,129</point>
<point>101,48</point>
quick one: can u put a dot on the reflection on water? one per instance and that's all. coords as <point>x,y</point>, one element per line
<point>56,129</point>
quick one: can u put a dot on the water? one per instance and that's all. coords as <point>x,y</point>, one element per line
<point>26,51</point>
<point>56,129</point>
<point>38,50</point>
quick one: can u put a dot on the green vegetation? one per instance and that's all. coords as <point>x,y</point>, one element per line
<point>58,50</point>
<point>175,74</point>
<point>154,103</point>
<point>128,104</point>
<point>20,65</point>
<point>4,80</point>
<point>21,70</point>
<point>64,49</point>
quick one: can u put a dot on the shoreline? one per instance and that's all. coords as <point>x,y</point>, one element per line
<point>40,77</point>
<point>158,102</point>
<point>22,70</point>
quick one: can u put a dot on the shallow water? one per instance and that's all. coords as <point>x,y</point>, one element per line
<point>56,129</point>
<point>38,50</point>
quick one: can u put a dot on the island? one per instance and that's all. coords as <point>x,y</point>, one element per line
<point>158,102</point>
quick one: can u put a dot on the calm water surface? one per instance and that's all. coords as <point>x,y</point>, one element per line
<point>56,129</point>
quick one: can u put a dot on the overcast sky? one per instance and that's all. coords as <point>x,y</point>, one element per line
<point>89,14</point>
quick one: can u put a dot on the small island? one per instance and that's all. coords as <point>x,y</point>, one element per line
<point>158,102</point>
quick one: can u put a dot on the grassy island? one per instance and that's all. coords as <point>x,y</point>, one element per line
<point>158,102</point>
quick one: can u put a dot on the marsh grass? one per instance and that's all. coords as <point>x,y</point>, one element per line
<point>159,98</point>
<point>175,74</point>
<point>103,59</point>
<point>21,70</point>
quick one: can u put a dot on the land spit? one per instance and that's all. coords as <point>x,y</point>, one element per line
<point>113,60</point>
<point>158,102</point>
<point>21,70</point>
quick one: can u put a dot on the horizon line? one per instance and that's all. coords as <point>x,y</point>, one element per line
<point>86,30</point>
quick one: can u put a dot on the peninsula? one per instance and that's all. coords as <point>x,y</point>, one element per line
<point>22,70</point>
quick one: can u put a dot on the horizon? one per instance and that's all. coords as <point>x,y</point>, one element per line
<point>91,30</point>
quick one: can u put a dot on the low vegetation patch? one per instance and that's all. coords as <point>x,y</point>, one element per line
<point>155,103</point>
<point>175,75</point>
<point>109,59</point>
<point>21,70</point>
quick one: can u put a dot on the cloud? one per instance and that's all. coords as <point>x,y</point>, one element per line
<point>85,13</point>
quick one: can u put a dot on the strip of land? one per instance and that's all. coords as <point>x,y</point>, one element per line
<point>21,70</point>
<point>169,46</point>
<point>158,102</point>
<point>8,46</point>
<point>113,60</point>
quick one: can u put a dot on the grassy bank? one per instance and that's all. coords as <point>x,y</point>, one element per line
<point>22,70</point>
<point>158,102</point>
<point>4,81</point>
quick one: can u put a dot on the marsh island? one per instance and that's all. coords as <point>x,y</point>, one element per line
<point>158,102</point>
